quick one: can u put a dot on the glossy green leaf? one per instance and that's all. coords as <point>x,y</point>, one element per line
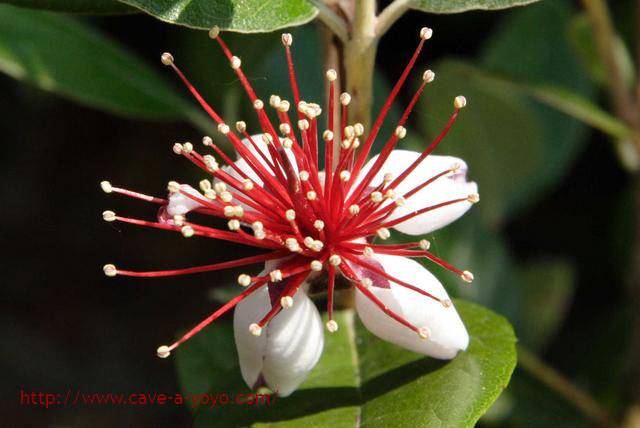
<point>61,55</point>
<point>235,15</point>
<point>75,6</point>
<point>362,381</point>
<point>455,6</point>
<point>208,363</point>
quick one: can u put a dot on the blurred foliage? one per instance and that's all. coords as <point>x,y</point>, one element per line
<point>75,6</point>
<point>60,54</point>
<point>581,36</point>
<point>522,147</point>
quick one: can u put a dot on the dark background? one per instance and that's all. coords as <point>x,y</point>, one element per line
<point>65,326</point>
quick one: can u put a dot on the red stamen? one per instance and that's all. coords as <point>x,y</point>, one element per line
<point>230,304</point>
<point>390,145</point>
<point>385,109</point>
<point>330,286</point>
<point>286,41</point>
<point>207,268</point>
<point>382,273</point>
<point>427,151</point>
<point>364,290</point>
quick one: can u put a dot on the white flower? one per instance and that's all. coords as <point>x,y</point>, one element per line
<point>312,223</point>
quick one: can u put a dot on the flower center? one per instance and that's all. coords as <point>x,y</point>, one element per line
<point>276,198</point>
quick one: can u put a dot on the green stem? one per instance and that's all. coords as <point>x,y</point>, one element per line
<point>637,58</point>
<point>622,100</point>
<point>628,109</point>
<point>390,15</point>
<point>359,61</point>
<point>563,386</point>
<point>332,20</point>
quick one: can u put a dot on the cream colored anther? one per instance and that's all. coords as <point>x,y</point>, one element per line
<point>426,33</point>
<point>163,351</point>
<point>335,260</point>
<point>166,58</point>
<point>187,231</point>
<point>244,280</point>
<point>109,270</point>
<point>459,102</point>
<point>106,186</point>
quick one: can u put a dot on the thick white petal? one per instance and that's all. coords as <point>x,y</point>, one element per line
<point>452,186</point>
<point>289,346</point>
<point>295,340</point>
<point>251,348</point>
<point>180,204</point>
<point>448,334</point>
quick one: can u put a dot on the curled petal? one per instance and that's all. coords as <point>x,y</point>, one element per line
<point>180,204</point>
<point>288,348</point>
<point>449,187</point>
<point>447,334</point>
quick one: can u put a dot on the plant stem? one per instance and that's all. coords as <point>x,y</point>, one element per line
<point>359,61</point>
<point>627,107</point>
<point>623,102</point>
<point>563,386</point>
<point>637,58</point>
<point>332,20</point>
<point>390,15</point>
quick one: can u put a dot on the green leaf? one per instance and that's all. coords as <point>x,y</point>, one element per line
<point>209,362</point>
<point>573,104</point>
<point>108,7</point>
<point>455,6</point>
<point>59,54</point>
<point>235,15</point>
<point>362,381</point>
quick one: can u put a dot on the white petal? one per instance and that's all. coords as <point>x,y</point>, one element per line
<point>180,204</point>
<point>289,346</point>
<point>448,335</point>
<point>451,186</point>
<point>251,349</point>
<point>262,146</point>
<point>295,339</point>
